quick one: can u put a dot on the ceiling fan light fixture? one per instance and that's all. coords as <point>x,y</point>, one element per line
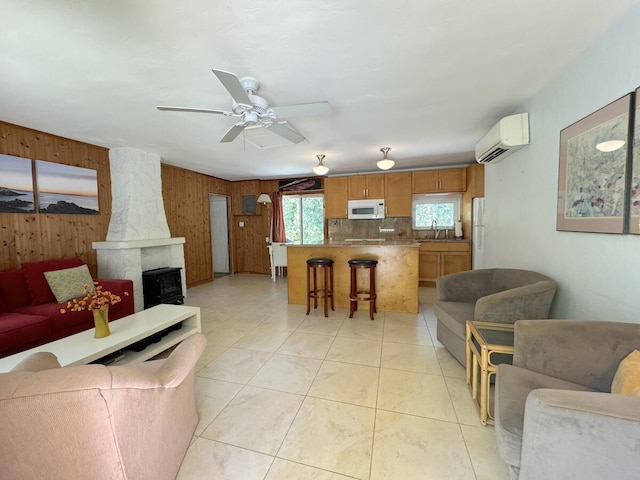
<point>385,163</point>
<point>320,169</point>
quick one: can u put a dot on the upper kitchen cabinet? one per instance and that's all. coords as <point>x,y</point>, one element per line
<point>366,186</point>
<point>398,194</point>
<point>475,180</point>
<point>335,197</point>
<point>439,181</point>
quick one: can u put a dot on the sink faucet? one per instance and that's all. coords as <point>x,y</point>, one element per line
<point>434,227</point>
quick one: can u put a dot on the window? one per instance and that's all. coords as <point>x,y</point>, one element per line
<point>443,209</point>
<point>303,218</point>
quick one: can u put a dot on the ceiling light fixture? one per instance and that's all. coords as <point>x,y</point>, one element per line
<point>385,163</point>
<point>610,146</point>
<point>320,168</point>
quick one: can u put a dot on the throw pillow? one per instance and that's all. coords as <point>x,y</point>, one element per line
<point>68,283</point>
<point>627,379</point>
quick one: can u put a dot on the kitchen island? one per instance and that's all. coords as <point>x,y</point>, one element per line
<point>396,272</point>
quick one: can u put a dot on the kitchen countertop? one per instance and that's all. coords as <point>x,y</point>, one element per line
<point>443,240</point>
<point>361,243</point>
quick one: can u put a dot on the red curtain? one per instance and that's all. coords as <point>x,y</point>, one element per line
<point>277,233</point>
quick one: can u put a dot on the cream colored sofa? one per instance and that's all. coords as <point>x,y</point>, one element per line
<point>96,422</point>
<point>555,417</point>
<point>501,295</point>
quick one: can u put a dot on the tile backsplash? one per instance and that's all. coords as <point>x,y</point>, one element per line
<point>390,228</point>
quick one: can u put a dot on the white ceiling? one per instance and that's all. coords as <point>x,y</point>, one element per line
<point>425,77</point>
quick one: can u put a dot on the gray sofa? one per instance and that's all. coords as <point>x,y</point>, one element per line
<point>501,295</point>
<point>554,416</point>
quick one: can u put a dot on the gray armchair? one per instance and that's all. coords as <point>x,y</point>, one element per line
<point>554,416</point>
<point>501,295</point>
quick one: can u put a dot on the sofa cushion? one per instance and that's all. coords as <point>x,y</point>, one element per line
<point>69,283</point>
<point>627,378</point>
<point>3,306</point>
<point>454,315</point>
<point>19,329</point>
<point>38,286</point>
<point>59,321</point>
<point>15,291</point>
<point>513,385</point>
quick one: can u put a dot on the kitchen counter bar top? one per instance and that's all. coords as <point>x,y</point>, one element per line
<point>359,243</point>
<point>396,272</point>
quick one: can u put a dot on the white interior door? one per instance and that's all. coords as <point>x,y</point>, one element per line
<point>219,233</point>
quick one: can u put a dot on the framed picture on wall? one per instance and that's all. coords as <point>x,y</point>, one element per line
<point>634,188</point>
<point>66,189</point>
<point>592,173</point>
<point>16,185</point>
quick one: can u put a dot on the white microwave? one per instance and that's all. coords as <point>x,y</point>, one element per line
<point>365,209</point>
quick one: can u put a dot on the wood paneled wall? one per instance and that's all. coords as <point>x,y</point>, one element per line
<point>250,253</point>
<point>32,237</point>
<point>186,204</point>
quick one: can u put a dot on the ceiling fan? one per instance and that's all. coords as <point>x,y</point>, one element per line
<point>254,110</point>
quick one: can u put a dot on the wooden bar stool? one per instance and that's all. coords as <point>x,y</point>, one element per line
<point>326,292</point>
<point>356,295</point>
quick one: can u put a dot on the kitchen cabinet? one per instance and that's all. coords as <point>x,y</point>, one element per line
<point>366,186</point>
<point>439,181</point>
<point>475,180</point>
<point>335,197</point>
<point>440,258</point>
<point>397,194</point>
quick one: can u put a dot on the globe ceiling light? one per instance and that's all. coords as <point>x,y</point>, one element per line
<point>320,169</point>
<point>385,163</point>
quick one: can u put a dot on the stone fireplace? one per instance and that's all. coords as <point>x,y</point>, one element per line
<point>138,238</point>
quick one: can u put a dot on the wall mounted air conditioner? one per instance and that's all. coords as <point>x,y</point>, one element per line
<point>508,135</point>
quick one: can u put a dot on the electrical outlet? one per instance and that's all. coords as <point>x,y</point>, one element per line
<point>241,224</point>
<point>266,239</point>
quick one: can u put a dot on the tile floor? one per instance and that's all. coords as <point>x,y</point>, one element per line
<point>282,395</point>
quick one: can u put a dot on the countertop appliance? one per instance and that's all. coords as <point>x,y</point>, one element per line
<point>365,209</point>
<point>477,234</point>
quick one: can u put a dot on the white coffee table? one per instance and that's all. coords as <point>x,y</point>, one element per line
<point>83,348</point>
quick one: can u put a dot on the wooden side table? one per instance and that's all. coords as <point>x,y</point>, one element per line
<point>488,344</point>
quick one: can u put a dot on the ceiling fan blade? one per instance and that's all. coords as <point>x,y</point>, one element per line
<point>234,87</point>
<point>285,132</point>
<point>317,108</point>
<point>196,110</point>
<point>232,133</point>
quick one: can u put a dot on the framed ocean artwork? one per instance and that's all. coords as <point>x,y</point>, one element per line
<point>66,189</point>
<point>16,185</point>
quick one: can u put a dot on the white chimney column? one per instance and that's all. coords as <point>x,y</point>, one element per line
<point>137,210</point>
<point>138,238</point>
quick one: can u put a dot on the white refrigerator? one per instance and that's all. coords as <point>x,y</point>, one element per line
<point>477,233</point>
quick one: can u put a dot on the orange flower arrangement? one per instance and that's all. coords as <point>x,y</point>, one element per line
<point>94,299</point>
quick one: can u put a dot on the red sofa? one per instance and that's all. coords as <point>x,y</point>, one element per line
<point>30,315</point>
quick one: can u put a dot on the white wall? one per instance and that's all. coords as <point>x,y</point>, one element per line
<point>597,273</point>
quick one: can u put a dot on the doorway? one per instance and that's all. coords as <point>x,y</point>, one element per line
<point>219,212</point>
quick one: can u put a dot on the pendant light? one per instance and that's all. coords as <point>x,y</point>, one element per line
<point>385,163</point>
<point>320,169</point>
